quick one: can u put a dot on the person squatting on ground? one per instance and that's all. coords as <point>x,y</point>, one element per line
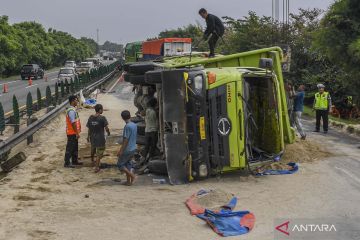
<point>298,110</point>
<point>96,135</point>
<point>128,148</point>
<point>214,29</point>
<point>322,106</point>
<point>151,130</point>
<point>73,129</point>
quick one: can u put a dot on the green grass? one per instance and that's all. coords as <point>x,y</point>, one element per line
<point>309,112</point>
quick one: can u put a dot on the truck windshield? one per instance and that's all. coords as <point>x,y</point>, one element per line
<point>85,64</point>
<point>28,67</point>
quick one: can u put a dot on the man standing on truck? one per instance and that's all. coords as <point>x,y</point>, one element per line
<point>96,125</point>
<point>214,29</point>
<point>298,110</point>
<point>73,129</point>
<point>322,105</point>
<point>128,147</point>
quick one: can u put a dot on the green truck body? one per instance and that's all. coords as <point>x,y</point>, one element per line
<point>217,115</point>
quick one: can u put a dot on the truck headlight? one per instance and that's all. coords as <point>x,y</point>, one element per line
<point>198,82</point>
<point>203,171</point>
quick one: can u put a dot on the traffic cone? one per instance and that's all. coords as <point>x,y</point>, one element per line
<point>5,88</point>
<point>30,81</point>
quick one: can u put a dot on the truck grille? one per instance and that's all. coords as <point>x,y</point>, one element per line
<point>219,145</point>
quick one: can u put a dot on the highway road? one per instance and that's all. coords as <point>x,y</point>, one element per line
<point>21,88</point>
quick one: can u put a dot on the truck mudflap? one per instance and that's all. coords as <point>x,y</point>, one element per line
<point>174,117</point>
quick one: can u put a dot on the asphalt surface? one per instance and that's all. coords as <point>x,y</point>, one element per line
<point>21,88</point>
<point>346,162</point>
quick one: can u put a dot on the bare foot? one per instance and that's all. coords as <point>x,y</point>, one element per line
<point>133,179</point>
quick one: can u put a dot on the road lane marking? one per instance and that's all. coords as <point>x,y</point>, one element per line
<point>52,79</point>
<point>31,86</point>
<point>9,82</point>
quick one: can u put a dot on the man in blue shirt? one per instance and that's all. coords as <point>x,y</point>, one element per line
<point>298,110</point>
<point>128,148</point>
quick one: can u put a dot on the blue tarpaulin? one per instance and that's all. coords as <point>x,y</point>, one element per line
<point>294,167</point>
<point>224,222</point>
<point>90,102</point>
<point>228,223</point>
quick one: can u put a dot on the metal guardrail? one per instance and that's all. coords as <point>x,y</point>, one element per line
<point>8,144</point>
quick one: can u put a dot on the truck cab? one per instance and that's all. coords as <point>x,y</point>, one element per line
<point>218,115</point>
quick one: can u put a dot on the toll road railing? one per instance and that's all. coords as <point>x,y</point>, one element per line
<point>51,99</point>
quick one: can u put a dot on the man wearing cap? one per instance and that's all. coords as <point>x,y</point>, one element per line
<point>322,105</point>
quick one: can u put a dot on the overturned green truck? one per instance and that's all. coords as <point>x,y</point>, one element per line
<point>216,115</point>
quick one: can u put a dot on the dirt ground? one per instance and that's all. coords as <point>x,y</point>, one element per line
<point>42,200</point>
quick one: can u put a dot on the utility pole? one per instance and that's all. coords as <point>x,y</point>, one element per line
<point>97,39</point>
<point>276,9</point>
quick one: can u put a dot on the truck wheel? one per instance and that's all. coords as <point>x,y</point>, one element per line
<point>157,167</point>
<point>127,77</point>
<point>141,68</point>
<point>137,79</point>
<point>141,128</point>
<point>137,119</point>
<point>140,140</point>
<point>153,77</point>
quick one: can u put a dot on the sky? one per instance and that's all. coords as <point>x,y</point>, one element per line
<point>123,21</point>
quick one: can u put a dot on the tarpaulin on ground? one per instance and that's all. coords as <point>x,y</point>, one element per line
<point>223,221</point>
<point>228,223</point>
<point>293,168</point>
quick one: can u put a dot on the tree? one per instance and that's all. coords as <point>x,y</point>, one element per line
<point>28,42</point>
<point>112,47</point>
<point>338,39</point>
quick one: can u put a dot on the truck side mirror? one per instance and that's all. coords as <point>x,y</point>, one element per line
<point>266,63</point>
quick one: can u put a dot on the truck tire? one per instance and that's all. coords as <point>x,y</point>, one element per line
<point>140,140</point>
<point>141,128</point>
<point>137,79</point>
<point>141,68</point>
<point>153,77</point>
<point>137,119</point>
<point>157,167</point>
<point>127,77</point>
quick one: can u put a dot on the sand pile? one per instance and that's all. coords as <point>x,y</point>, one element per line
<point>214,199</point>
<point>304,151</point>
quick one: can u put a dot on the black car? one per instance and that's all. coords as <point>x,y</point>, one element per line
<point>31,70</point>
